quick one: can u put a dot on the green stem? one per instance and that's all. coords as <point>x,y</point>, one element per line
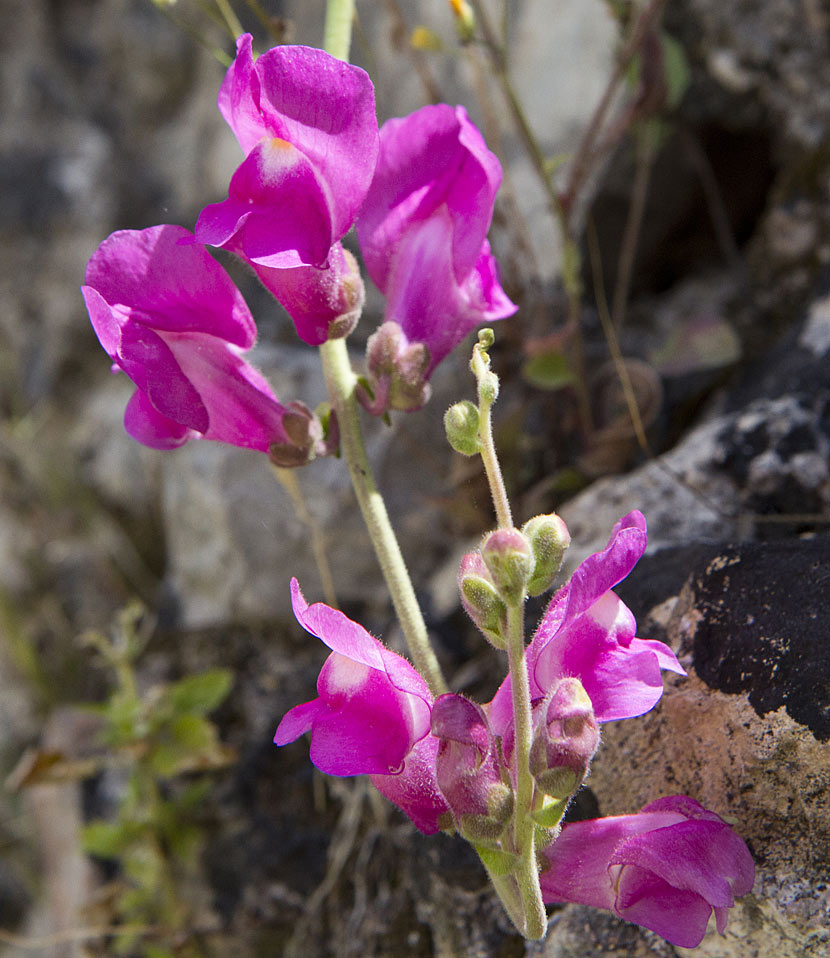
<point>524,834</point>
<point>495,478</point>
<point>488,388</point>
<point>337,35</point>
<point>341,382</point>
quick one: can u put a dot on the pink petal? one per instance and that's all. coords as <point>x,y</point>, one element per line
<point>622,680</point>
<point>423,296</point>
<point>147,425</point>
<point>313,297</point>
<point>677,915</point>
<point>242,408</point>
<point>579,857</point>
<point>162,278</point>
<point>321,105</point>
<point>483,291</point>
<point>298,721</point>
<point>348,638</point>
<point>415,790</point>
<point>703,857</point>
<point>367,725</point>
<point>597,574</point>
<point>151,364</point>
<point>239,97</point>
<point>277,213</point>
<point>432,158</point>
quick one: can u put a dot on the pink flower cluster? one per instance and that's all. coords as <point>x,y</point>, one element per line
<point>421,191</point>
<point>448,762</point>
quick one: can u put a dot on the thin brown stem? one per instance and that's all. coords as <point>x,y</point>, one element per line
<point>586,155</point>
<point>633,225</point>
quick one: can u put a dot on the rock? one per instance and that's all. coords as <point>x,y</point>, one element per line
<point>746,733</point>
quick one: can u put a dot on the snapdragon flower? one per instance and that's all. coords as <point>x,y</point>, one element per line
<point>422,232</point>
<point>588,633</point>
<point>666,868</point>
<point>170,317</point>
<point>306,123</point>
<point>371,716</point>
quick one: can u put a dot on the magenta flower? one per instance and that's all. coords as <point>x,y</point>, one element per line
<point>371,716</point>
<point>468,768</point>
<point>306,123</point>
<point>665,868</point>
<point>170,317</point>
<point>423,229</point>
<point>588,633</point>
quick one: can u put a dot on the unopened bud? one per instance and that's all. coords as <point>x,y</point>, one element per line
<point>461,422</point>
<point>509,560</point>
<point>397,369</point>
<point>467,768</point>
<point>549,538</point>
<point>480,599</point>
<point>565,738</point>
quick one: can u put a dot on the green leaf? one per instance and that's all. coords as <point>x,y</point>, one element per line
<point>551,813</point>
<point>200,693</point>
<point>497,861</point>
<point>548,371</point>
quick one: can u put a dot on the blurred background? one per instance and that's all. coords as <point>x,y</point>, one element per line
<point>664,225</point>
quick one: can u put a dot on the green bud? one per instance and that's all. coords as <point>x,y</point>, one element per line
<point>488,387</point>
<point>480,828</point>
<point>509,560</point>
<point>485,607</point>
<point>549,538</point>
<point>559,783</point>
<point>461,422</point>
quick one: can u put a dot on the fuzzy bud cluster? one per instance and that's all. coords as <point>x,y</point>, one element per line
<point>510,565</point>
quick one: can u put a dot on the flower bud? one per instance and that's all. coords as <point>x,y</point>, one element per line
<point>461,422</point>
<point>397,370</point>
<point>549,538</point>
<point>467,768</point>
<point>509,560</point>
<point>480,599</point>
<point>566,735</point>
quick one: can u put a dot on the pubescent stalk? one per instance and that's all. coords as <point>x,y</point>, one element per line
<point>341,382</point>
<point>524,828</point>
<point>488,390</point>
<point>520,892</point>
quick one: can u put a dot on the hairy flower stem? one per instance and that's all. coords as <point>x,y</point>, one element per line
<point>488,390</point>
<point>526,910</point>
<point>341,382</point>
<point>337,34</point>
<point>524,829</point>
